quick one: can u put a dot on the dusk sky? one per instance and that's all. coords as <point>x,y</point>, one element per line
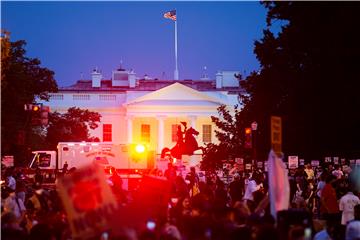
<point>72,38</point>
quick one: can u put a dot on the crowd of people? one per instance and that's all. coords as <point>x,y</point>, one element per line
<point>324,204</point>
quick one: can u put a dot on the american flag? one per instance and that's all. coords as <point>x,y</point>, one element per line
<point>170,15</point>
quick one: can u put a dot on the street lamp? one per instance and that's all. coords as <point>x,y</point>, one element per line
<point>254,126</point>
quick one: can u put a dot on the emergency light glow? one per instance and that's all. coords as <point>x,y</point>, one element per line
<point>140,148</point>
<point>247,130</point>
<point>35,108</point>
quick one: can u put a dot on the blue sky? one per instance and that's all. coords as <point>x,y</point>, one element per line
<point>72,38</point>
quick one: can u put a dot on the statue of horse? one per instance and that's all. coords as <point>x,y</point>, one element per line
<point>183,147</point>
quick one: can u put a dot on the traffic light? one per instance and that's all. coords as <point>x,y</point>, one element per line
<point>45,115</point>
<point>35,114</point>
<point>248,138</point>
<point>39,114</point>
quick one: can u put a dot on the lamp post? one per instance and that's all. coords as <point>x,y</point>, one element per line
<point>254,126</point>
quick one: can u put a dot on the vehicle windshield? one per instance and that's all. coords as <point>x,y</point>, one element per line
<point>41,160</point>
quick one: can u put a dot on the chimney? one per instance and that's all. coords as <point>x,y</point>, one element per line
<point>132,79</point>
<point>96,78</point>
<point>219,79</point>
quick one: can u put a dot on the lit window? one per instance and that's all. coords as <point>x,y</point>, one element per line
<point>206,133</point>
<point>145,133</point>
<point>107,133</point>
<point>174,128</point>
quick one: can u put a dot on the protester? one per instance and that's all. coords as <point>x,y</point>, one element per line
<point>309,172</point>
<point>337,172</point>
<point>328,199</point>
<point>346,205</point>
<point>253,186</point>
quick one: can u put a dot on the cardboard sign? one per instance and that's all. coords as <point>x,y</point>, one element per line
<point>248,166</point>
<point>328,159</point>
<point>259,164</point>
<point>336,160</point>
<point>301,162</point>
<point>8,161</point>
<point>315,163</point>
<point>293,162</point>
<point>239,160</point>
<point>88,201</point>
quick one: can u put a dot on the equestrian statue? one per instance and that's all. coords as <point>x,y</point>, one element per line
<point>185,145</point>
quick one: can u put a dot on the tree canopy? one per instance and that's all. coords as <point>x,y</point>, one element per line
<point>72,126</point>
<point>23,80</point>
<point>308,77</point>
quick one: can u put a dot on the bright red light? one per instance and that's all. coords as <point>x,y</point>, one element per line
<point>35,108</point>
<point>247,131</point>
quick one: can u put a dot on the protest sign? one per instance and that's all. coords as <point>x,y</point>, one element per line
<point>88,201</point>
<point>248,166</point>
<point>315,163</point>
<point>328,159</point>
<point>259,164</point>
<point>301,162</point>
<point>8,161</point>
<point>293,162</point>
<point>239,160</point>
<point>343,161</point>
<point>336,160</point>
<point>265,166</point>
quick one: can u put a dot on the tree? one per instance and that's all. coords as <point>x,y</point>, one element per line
<point>23,81</point>
<point>72,126</point>
<point>308,75</point>
<point>231,135</point>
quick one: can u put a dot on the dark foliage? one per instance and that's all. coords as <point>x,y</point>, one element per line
<point>309,76</point>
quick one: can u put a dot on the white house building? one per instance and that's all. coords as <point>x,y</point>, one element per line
<point>149,110</point>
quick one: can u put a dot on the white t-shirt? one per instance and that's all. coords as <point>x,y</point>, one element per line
<point>251,187</point>
<point>346,205</point>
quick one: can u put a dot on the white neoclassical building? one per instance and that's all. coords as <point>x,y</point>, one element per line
<point>149,110</point>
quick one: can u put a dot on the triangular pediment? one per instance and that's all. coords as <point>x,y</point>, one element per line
<point>176,92</point>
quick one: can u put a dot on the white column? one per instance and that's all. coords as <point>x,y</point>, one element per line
<point>192,121</point>
<point>129,128</point>
<point>160,136</point>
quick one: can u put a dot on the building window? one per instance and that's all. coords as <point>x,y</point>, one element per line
<point>174,128</point>
<point>207,133</point>
<point>81,97</point>
<point>106,97</point>
<point>145,133</point>
<point>56,96</point>
<point>107,133</point>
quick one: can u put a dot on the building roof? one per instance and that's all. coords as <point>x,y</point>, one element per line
<point>147,85</point>
<point>175,92</point>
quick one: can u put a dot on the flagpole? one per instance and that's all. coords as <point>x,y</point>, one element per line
<point>176,72</point>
